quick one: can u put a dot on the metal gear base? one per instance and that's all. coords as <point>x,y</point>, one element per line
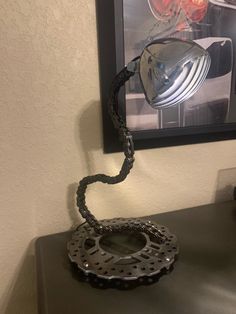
<point>126,256</point>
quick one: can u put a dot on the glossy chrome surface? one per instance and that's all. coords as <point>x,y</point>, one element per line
<point>172,70</point>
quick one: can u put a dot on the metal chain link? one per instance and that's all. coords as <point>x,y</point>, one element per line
<point>128,146</point>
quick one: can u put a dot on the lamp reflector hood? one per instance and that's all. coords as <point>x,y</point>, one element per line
<point>172,70</point>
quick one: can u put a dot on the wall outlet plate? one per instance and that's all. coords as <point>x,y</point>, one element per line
<point>226,185</point>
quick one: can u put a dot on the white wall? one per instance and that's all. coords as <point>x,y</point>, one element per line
<point>50,135</point>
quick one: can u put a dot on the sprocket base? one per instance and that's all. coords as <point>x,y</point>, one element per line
<point>126,256</point>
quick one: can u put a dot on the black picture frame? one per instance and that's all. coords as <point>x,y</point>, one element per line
<point>110,27</point>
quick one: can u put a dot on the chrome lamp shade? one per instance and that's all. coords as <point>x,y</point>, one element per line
<point>171,71</point>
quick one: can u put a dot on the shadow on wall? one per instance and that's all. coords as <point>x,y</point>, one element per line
<point>88,137</point>
<point>88,134</point>
<point>22,297</point>
<point>226,182</point>
<point>71,205</point>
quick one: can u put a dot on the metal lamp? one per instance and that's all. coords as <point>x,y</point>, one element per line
<point>122,250</point>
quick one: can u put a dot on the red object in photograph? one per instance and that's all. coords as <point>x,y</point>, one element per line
<point>195,10</point>
<point>164,9</point>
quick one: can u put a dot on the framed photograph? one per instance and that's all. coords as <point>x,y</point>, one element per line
<point>125,27</point>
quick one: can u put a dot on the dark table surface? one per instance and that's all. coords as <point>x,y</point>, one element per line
<point>203,280</point>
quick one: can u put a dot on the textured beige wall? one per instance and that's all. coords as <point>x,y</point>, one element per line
<point>51,136</point>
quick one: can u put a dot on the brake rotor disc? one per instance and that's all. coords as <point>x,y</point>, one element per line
<point>125,256</point>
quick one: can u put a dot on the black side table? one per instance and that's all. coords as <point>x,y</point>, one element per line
<point>203,280</point>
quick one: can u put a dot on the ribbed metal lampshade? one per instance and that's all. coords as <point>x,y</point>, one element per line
<point>172,70</point>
